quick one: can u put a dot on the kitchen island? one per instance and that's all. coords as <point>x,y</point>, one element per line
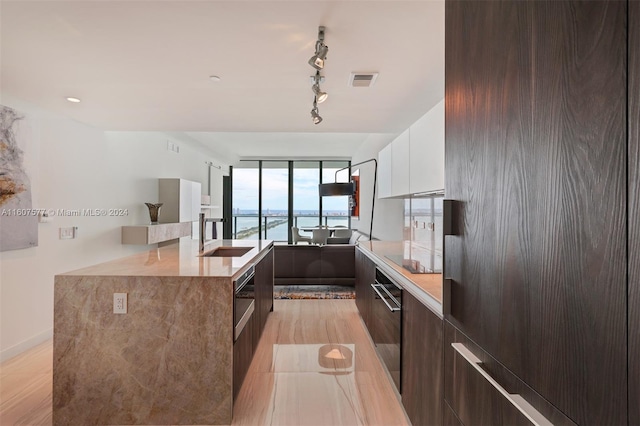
<point>170,358</point>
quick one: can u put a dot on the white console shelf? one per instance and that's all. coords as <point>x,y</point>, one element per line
<point>152,234</point>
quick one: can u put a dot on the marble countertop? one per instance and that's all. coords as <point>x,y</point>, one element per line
<point>181,260</point>
<point>425,287</point>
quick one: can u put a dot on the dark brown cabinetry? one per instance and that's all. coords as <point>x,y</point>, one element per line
<point>634,212</point>
<point>264,294</point>
<point>246,343</point>
<point>536,156</point>
<point>365,276</point>
<point>421,367</point>
<point>422,363</point>
<point>311,264</point>
<point>243,354</point>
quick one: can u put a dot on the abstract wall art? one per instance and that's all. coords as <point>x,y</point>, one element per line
<point>18,221</point>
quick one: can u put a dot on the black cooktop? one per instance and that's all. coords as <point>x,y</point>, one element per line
<point>410,265</point>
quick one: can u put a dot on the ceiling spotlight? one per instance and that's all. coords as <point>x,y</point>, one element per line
<point>315,116</point>
<point>320,95</point>
<point>74,100</point>
<point>317,60</point>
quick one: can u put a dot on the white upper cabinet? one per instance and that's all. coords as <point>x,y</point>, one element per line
<point>400,164</point>
<point>414,161</point>
<point>181,200</point>
<point>384,172</point>
<point>426,164</point>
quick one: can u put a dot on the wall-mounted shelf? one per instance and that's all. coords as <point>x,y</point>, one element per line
<point>152,234</point>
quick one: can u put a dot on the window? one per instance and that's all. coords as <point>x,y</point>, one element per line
<point>245,201</point>
<point>264,190</point>
<point>275,200</point>
<point>306,201</point>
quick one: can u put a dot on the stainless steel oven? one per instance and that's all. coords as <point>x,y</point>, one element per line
<point>387,322</point>
<point>243,301</point>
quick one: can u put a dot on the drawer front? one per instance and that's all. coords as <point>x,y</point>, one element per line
<point>480,391</point>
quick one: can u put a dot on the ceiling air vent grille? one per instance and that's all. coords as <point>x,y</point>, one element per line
<point>362,79</point>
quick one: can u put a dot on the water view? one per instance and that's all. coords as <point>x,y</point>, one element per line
<point>275,223</point>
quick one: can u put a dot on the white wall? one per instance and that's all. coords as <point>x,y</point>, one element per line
<point>388,214</point>
<point>74,166</point>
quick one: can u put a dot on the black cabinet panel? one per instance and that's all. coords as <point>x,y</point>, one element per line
<point>337,261</point>
<point>536,155</point>
<point>242,354</point>
<point>310,264</point>
<point>264,294</point>
<point>422,363</point>
<point>634,212</point>
<point>297,261</point>
<point>365,276</point>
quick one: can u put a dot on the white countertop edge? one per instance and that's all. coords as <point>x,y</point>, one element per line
<point>406,284</point>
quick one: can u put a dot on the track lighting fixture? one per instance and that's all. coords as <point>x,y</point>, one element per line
<point>320,95</point>
<point>315,114</point>
<point>317,60</point>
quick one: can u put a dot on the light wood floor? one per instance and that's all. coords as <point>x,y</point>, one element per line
<point>315,365</point>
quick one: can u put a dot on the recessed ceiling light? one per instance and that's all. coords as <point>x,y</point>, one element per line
<point>74,100</point>
<point>214,78</point>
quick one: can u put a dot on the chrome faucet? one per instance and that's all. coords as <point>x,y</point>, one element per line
<point>203,225</point>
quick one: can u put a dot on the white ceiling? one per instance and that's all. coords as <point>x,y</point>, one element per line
<point>144,65</point>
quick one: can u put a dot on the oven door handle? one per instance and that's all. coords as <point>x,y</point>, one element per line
<point>375,288</point>
<point>243,321</point>
<point>245,282</point>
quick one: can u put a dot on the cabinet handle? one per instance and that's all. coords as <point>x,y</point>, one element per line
<point>516,400</point>
<point>446,296</point>
<point>450,213</point>
<point>375,288</point>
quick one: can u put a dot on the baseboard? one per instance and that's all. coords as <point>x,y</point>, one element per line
<point>25,345</point>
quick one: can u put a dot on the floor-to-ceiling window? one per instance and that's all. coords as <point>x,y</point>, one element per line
<point>306,202</point>
<point>269,197</point>
<point>245,196</point>
<point>275,200</point>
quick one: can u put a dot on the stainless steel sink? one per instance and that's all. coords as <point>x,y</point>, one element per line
<point>226,251</point>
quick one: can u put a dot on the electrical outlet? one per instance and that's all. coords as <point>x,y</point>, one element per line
<point>68,233</point>
<point>119,303</point>
<point>173,147</point>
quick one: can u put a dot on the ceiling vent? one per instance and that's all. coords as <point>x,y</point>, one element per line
<point>362,79</point>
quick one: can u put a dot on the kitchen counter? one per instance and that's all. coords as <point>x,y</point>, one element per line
<point>427,288</point>
<point>169,359</point>
<point>181,260</point>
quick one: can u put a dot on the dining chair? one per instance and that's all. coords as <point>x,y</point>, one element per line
<point>295,234</point>
<point>342,233</point>
<point>320,236</point>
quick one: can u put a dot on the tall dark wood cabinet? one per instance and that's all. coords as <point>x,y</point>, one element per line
<point>422,369</point>
<point>536,156</point>
<point>634,212</point>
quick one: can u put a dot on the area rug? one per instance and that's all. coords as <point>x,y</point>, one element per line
<point>284,292</point>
